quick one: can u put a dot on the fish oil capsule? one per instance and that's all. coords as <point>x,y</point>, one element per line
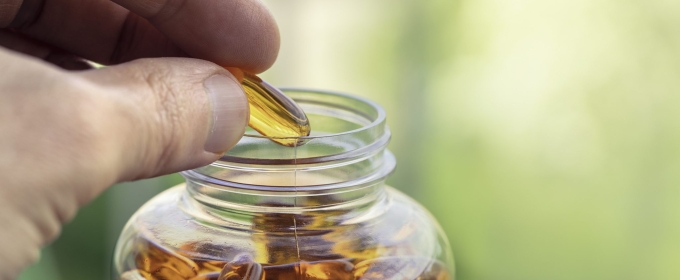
<point>159,263</point>
<point>317,270</point>
<point>401,267</point>
<point>136,274</point>
<point>273,114</point>
<point>243,267</point>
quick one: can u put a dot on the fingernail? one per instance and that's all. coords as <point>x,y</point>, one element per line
<point>229,113</point>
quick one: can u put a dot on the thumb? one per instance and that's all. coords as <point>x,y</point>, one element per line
<point>172,114</point>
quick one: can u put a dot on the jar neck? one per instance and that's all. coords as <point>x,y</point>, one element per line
<point>228,203</point>
<point>232,208</point>
<point>336,184</point>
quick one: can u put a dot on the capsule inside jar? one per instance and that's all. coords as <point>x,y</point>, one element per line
<point>273,114</point>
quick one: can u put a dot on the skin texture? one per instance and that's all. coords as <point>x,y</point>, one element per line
<point>67,132</point>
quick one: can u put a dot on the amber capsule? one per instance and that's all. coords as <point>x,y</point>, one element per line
<point>159,263</point>
<point>243,267</point>
<point>317,270</point>
<point>274,114</point>
<point>401,267</point>
<point>136,274</point>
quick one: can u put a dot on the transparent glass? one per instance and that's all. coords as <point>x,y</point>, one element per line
<point>319,210</point>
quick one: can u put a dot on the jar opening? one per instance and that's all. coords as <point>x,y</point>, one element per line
<point>345,151</point>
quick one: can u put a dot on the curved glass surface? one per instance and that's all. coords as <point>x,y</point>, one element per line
<point>316,211</point>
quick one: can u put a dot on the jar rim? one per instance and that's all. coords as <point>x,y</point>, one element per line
<point>347,154</point>
<point>351,150</point>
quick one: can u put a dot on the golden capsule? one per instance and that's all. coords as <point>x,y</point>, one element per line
<point>274,114</point>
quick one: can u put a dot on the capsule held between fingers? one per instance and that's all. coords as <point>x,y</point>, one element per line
<point>273,114</point>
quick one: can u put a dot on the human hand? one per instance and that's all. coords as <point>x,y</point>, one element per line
<point>67,135</point>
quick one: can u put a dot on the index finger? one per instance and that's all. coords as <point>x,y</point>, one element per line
<point>236,33</point>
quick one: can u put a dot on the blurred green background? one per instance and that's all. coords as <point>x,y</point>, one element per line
<point>544,135</point>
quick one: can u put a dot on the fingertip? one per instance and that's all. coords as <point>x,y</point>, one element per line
<point>270,42</point>
<point>238,33</point>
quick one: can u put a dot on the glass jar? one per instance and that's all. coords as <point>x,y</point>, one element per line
<point>316,211</point>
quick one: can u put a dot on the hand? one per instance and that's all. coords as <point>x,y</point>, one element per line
<point>65,136</point>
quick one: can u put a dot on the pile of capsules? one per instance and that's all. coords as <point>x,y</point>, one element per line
<point>155,263</point>
<point>324,248</point>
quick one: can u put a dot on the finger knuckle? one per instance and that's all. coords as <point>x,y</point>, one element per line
<point>168,111</point>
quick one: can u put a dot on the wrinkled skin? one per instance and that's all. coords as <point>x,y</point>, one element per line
<point>67,131</point>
